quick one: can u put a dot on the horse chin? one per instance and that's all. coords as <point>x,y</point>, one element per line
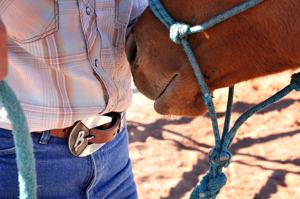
<point>165,106</point>
<point>176,101</point>
<point>177,94</point>
<point>180,96</point>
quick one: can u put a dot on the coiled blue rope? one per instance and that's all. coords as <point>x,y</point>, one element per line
<point>219,156</point>
<point>23,142</point>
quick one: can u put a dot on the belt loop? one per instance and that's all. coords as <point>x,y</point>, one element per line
<point>45,137</point>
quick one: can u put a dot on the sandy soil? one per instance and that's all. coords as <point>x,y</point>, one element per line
<point>169,153</point>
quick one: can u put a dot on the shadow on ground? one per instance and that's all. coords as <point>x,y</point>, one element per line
<point>190,179</point>
<point>242,107</point>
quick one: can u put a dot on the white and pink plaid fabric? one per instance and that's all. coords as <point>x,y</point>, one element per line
<point>66,58</point>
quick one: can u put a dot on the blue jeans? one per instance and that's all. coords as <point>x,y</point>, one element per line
<point>106,174</point>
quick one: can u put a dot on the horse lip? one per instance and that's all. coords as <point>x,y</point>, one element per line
<point>167,86</point>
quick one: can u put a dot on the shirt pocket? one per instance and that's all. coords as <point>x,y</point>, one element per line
<point>30,20</point>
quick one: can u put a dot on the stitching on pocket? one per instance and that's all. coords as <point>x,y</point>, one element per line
<point>8,151</point>
<point>48,32</point>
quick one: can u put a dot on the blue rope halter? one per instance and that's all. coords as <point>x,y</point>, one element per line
<point>219,156</point>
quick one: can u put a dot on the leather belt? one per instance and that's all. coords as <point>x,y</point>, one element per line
<point>88,135</point>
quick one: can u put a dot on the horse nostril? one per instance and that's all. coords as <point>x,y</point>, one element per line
<point>131,48</point>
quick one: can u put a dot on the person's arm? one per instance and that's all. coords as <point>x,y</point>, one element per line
<point>3,52</point>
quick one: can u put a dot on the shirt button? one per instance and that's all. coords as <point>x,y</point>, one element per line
<point>96,62</point>
<point>88,10</point>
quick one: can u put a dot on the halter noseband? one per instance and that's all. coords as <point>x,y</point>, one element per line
<point>219,156</point>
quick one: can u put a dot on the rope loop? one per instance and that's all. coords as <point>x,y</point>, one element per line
<point>178,31</point>
<point>295,82</point>
<point>217,158</point>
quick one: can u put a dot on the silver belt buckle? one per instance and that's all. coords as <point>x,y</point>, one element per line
<point>80,135</point>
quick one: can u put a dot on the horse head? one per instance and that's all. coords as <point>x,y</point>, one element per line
<point>258,42</point>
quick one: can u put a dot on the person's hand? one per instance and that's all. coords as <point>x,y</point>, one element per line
<point>3,52</point>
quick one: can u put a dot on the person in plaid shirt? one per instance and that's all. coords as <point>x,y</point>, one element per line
<point>67,66</point>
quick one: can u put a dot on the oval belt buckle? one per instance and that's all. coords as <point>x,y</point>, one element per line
<point>80,135</point>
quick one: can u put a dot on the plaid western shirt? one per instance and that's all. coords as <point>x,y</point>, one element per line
<point>67,59</point>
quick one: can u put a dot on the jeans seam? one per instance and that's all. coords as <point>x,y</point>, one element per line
<point>90,173</point>
<point>94,177</point>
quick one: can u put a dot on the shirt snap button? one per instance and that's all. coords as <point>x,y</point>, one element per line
<point>96,62</point>
<point>88,10</point>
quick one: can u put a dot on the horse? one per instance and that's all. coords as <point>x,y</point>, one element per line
<point>258,42</point>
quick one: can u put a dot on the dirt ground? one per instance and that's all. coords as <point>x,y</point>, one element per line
<point>169,153</point>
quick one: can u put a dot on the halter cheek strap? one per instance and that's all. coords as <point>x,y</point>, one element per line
<point>219,156</point>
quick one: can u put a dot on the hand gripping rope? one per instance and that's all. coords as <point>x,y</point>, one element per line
<point>23,142</point>
<point>219,156</point>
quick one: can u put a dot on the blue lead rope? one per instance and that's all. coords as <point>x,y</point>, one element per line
<point>219,156</point>
<point>23,142</point>
<point>214,180</point>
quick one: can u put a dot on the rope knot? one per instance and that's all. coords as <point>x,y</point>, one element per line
<point>217,158</point>
<point>178,31</point>
<point>209,188</point>
<point>295,82</point>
